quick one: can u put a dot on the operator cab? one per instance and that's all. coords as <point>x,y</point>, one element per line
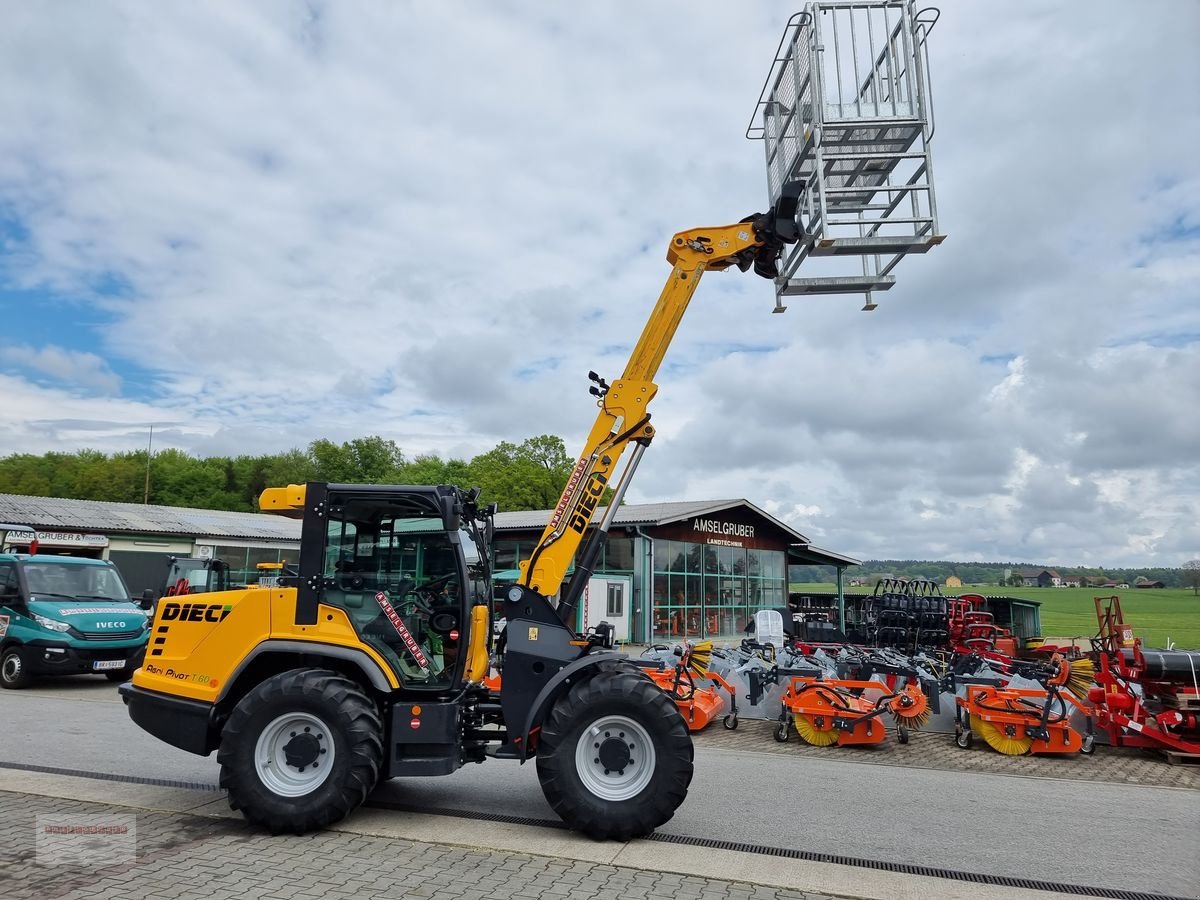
<point>399,561</point>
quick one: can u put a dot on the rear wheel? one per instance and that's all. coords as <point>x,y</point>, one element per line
<point>13,674</point>
<point>614,757</point>
<point>301,751</point>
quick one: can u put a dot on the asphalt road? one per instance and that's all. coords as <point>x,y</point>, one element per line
<point>1137,838</point>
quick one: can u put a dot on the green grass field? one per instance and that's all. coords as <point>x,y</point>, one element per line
<point>1156,615</point>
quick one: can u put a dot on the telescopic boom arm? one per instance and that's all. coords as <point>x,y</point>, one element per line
<point>624,416</point>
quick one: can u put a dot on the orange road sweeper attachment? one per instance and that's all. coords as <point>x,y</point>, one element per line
<point>699,692</point>
<point>1017,720</point>
<point>841,711</point>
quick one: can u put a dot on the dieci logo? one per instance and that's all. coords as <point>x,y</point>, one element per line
<point>582,514</point>
<point>194,612</point>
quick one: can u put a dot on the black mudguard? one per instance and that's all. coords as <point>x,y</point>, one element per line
<point>540,661</point>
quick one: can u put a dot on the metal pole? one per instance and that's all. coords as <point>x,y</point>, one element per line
<point>841,599</point>
<point>149,448</point>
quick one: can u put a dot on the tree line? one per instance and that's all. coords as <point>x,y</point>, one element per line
<point>525,476</point>
<point>991,573</point>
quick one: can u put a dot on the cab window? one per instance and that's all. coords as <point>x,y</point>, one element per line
<point>10,589</point>
<point>398,579</point>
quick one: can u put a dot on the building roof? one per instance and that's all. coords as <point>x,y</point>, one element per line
<point>680,510</point>
<point>135,518</point>
<point>807,554</point>
<point>644,514</point>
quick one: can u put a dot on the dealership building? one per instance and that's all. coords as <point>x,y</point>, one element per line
<point>679,570</point>
<point>669,570</point>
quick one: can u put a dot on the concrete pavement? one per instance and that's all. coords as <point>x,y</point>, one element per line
<point>1069,830</point>
<point>190,847</point>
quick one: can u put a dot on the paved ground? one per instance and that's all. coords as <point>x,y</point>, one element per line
<point>1140,834</point>
<point>832,801</point>
<point>1118,765</point>
<point>180,856</point>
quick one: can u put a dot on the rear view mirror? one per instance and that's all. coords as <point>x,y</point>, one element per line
<point>148,598</point>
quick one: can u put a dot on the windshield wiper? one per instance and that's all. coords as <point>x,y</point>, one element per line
<point>39,595</point>
<point>101,597</point>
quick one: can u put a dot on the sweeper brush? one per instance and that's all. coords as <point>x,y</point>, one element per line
<point>810,730</point>
<point>700,657</point>
<point>1081,677</point>
<point>1002,739</point>
<point>911,709</point>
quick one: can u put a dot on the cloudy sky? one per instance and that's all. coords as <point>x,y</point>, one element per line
<point>253,225</point>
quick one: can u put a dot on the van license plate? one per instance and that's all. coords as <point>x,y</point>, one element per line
<point>100,665</point>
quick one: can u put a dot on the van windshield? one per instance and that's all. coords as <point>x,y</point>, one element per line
<point>78,582</point>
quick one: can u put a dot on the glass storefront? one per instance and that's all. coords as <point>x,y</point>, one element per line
<point>705,590</point>
<point>709,587</point>
<point>616,558</point>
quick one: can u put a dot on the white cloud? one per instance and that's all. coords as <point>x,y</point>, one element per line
<point>332,220</point>
<point>81,370</point>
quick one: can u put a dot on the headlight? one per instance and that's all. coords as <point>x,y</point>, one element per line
<point>52,624</point>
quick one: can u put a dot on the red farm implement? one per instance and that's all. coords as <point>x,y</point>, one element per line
<point>1144,698</point>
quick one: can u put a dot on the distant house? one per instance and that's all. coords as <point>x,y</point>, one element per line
<point>954,581</point>
<point>1143,582</point>
<point>1071,581</point>
<point>1039,578</point>
<point>1098,581</point>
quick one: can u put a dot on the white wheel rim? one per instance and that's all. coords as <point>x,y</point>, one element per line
<point>615,758</point>
<point>12,667</point>
<point>294,754</point>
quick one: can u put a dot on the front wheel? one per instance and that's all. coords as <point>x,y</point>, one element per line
<point>13,674</point>
<point>301,751</point>
<point>614,757</point>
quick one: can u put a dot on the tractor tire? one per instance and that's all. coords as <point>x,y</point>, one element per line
<point>614,757</point>
<point>301,751</point>
<point>13,674</point>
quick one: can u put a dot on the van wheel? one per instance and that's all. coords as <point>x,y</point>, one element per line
<point>12,670</point>
<point>301,751</point>
<point>121,675</point>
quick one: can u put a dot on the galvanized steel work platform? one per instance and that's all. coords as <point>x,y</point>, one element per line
<point>846,119</point>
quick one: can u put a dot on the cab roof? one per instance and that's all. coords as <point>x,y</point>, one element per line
<point>50,557</point>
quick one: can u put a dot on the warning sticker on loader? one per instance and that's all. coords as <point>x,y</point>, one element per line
<point>401,629</point>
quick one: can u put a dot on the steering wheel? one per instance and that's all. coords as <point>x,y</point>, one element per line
<point>435,585</point>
